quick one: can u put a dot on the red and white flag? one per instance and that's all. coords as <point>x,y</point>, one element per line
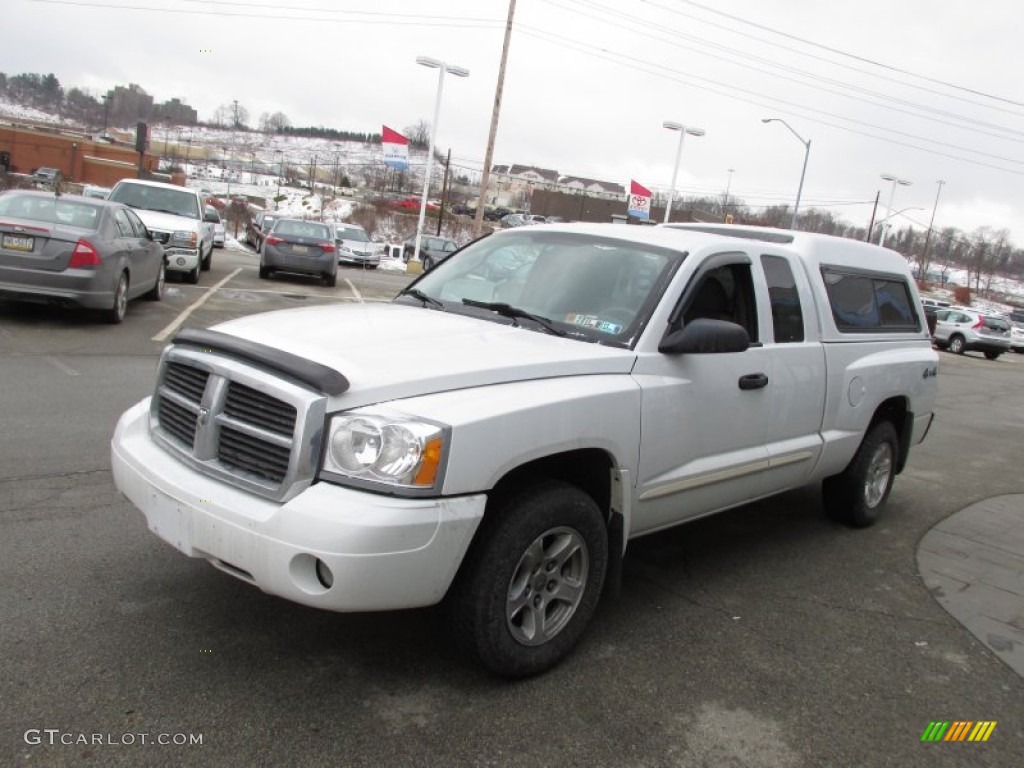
<point>396,149</point>
<point>639,201</point>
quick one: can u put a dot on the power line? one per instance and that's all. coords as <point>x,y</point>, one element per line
<point>729,91</point>
<point>730,54</point>
<point>844,54</point>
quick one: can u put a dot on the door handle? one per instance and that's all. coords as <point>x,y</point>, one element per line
<point>753,381</point>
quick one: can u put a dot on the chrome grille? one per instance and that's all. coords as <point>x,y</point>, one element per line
<point>237,422</point>
<point>249,454</point>
<point>251,406</point>
<point>177,420</point>
<point>186,380</point>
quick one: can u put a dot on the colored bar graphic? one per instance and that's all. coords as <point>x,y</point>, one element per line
<point>935,730</point>
<point>959,730</point>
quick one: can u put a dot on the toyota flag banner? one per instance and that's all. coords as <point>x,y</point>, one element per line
<point>639,201</point>
<point>396,149</point>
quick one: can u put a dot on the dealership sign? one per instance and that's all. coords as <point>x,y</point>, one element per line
<point>639,201</point>
<point>396,149</point>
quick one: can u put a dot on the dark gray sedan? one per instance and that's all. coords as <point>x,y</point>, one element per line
<point>76,251</point>
<point>302,248</point>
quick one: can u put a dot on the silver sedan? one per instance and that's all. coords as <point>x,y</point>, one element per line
<point>76,251</point>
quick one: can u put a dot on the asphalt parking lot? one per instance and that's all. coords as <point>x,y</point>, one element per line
<point>765,636</point>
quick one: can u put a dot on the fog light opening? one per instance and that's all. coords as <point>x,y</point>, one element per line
<point>323,574</point>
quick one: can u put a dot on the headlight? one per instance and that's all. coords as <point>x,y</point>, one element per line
<point>374,448</point>
<point>183,239</point>
<point>344,248</point>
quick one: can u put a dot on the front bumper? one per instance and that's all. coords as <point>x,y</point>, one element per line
<point>382,552</point>
<point>181,259</point>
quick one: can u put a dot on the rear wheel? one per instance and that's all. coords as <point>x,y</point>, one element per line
<point>330,280</point>
<point>264,273</point>
<point>857,495</point>
<point>428,263</point>
<point>157,291</point>
<point>993,355</point>
<point>956,345</point>
<point>532,580</point>
<point>117,312</point>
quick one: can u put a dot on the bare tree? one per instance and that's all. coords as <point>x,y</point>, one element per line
<point>274,122</point>
<point>418,134</point>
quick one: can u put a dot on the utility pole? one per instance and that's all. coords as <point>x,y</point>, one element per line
<point>444,191</point>
<point>928,236</point>
<point>235,121</point>
<point>478,220</point>
<point>871,226</point>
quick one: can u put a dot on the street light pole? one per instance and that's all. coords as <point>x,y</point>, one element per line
<point>442,68</point>
<point>280,176</point>
<point>888,207</point>
<point>803,171</point>
<point>683,130</point>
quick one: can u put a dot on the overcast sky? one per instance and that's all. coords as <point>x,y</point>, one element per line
<point>914,88</point>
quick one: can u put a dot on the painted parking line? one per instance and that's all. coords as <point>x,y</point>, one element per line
<point>355,291</point>
<point>174,324</point>
<point>60,366</point>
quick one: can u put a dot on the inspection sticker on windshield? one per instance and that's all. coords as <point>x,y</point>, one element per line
<point>595,322</point>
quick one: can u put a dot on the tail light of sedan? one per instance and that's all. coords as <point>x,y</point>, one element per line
<point>84,255</point>
<point>327,247</point>
<point>273,240</point>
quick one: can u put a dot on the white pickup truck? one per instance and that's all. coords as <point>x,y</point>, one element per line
<point>178,219</point>
<point>492,438</point>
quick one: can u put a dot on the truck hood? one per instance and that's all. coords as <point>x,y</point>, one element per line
<point>166,222</point>
<point>394,351</point>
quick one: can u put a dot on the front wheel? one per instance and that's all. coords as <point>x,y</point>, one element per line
<point>207,262</point>
<point>532,580</point>
<point>857,495</point>
<point>192,277</point>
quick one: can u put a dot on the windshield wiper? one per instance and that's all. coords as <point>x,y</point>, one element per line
<point>507,310</point>
<point>416,293</point>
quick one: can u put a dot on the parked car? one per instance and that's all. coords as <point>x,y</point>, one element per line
<point>77,251</point>
<point>175,217</point>
<point>412,204</point>
<point>514,220</point>
<point>962,330</point>
<point>433,250</point>
<point>1017,338</point>
<point>300,247</point>
<point>497,446</point>
<point>462,209</point>
<point>219,231</point>
<point>91,190</point>
<point>496,214</point>
<point>257,227</point>
<point>355,247</point>
<point>46,176</point>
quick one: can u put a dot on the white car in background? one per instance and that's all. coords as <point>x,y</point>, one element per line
<point>355,247</point>
<point>219,231</point>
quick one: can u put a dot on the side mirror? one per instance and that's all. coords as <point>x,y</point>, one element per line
<point>211,218</point>
<point>705,336</point>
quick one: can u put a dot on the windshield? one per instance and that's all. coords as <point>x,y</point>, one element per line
<point>177,203</point>
<point>350,233</point>
<point>592,288</point>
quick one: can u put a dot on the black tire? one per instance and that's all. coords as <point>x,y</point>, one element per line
<point>993,355</point>
<point>156,293</point>
<point>330,280</point>
<point>857,496</point>
<point>264,273</point>
<point>428,263</point>
<point>956,344</point>
<point>115,315</point>
<point>193,276</point>
<point>499,628</point>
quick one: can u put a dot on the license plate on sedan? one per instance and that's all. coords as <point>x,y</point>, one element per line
<point>299,249</point>
<point>18,243</point>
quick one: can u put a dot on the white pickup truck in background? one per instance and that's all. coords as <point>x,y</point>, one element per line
<point>178,219</point>
<point>493,438</point>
